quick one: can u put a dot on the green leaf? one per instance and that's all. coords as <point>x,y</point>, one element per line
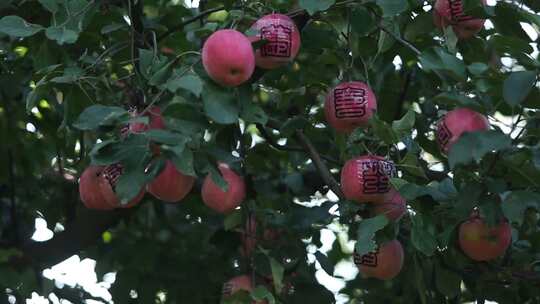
<point>392,7</point>
<point>277,274</point>
<point>447,281</point>
<point>383,131</point>
<point>518,85</point>
<point>220,105</point>
<point>362,21</point>
<point>61,35</point>
<point>261,293</point>
<point>440,191</point>
<point>366,232</point>
<point>422,236</point>
<point>217,178</point>
<point>438,59</point>
<point>478,68</point>
<point>233,220</point>
<point>293,124</point>
<point>130,152</point>
<point>166,137</point>
<point>516,202</point>
<point>129,185</point>
<point>313,6</point>
<point>410,164</point>
<point>536,157</point>
<point>182,158</point>
<point>112,27</point>
<point>161,74</point>
<point>191,83</point>
<point>405,124</point>
<point>472,146</point>
<point>18,27</point>
<point>97,116</point>
<point>454,98</point>
<point>325,262</point>
<point>451,39</point>
<point>7,254</point>
<point>50,5</point>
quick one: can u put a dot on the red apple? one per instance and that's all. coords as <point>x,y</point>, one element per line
<point>237,284</point>
<point>457,122</point>
<point>394,206</point>
<point>224,201</point>
<point>483,243</point>
<point>171,185</point>
<point>367,178</point>
<point>228,57</point>
<point>350,105</point>
<point>450,13</point>
<point>107,182</point>
<point>155,121</point>
<point>383,264</point>
<point>283,41</point>
<point>89,190</point>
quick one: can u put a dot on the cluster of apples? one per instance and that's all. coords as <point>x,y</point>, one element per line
<point>228,56</point>
<point>476,239</point>
<point>366,179</point>
<point>450,13</point>
<point>97,183</point>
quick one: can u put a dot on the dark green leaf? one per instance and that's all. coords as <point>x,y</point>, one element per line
<point>233,220</point>
<point>166,137</point>
<point>97,116</point>
<point>277,273</point>
<point>220,105</point>
<point>405,124</point>
<point>326,264</point>
<point>516,202</point>
<point>261,293</point>
<point>473,146</point>
<point>191,83</point>
<point>447,282</point>
<point>422,236</point>
<point>362,21</point>
<point>383,131</point>
<point>392,7</point>
<point>366,233</point>
<point>313,6</point>
<point>61,35</point>
<point>518,85</point>
<point>17,27</point>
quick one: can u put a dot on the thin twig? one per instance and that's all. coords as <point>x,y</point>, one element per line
<point>188,21</point>
<point>276,146</point>
<point>400,40</point>
<point>319,164</point>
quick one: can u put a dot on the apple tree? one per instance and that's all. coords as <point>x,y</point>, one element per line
<point>206,152</point>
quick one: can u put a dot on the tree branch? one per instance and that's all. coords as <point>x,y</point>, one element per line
<point>400,40</point>
<point>88,227</point>
<point>188,21</point>
<point>319,164</point>
<point>275,145</point>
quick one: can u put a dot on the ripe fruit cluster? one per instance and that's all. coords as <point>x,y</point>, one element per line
<point>228,56</point>
<point>97,184</point>
<point>366,179</point>
<point>229,59</point>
